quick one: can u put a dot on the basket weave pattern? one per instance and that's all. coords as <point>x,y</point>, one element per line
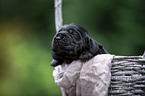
<point>128,76</point>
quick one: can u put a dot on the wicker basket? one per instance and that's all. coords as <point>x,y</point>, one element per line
<point>128,76</point>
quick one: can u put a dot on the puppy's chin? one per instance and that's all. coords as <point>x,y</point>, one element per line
<point>64,49</point>
<point>60,46</point>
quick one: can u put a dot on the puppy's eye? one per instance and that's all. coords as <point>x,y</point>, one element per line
<point>71,31</point>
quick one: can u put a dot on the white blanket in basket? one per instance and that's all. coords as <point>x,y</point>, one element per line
<point>91,78</point>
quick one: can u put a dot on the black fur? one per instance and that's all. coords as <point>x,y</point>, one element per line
<point>72,42</point>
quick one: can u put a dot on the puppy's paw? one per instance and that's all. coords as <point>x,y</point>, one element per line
<point>55,63</point>
<point>85,56</point>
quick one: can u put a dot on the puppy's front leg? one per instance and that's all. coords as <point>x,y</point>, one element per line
<point>85,56</point>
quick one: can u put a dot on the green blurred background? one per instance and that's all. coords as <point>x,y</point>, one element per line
<point>27,28</point>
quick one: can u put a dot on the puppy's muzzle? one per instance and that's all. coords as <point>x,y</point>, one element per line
<point>61,35</point>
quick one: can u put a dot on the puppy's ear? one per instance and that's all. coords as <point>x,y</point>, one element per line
<point>94,47</point>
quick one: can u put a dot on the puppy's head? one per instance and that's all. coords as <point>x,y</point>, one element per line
<point>69,40</point>
<point>72,42</point>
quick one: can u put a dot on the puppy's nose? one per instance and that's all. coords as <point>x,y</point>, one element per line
<point>59,36</point>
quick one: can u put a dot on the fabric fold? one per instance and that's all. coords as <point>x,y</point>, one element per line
<point>91,78</point>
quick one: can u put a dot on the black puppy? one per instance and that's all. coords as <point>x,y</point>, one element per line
<point>72,42</point>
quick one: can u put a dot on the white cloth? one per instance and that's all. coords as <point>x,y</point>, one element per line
<point>91,78</point>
